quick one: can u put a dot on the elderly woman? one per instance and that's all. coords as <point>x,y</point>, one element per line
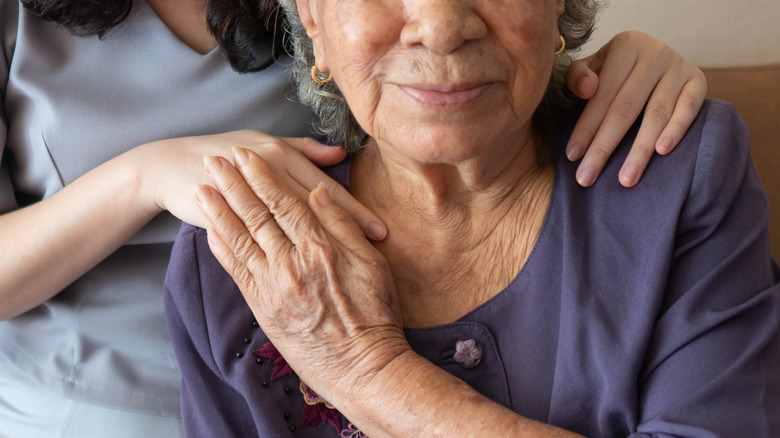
<point>506,299</point>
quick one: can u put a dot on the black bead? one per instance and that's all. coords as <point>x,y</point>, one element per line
<point>292,428</point>
<point>259,361</point>
<point>265,384</point>
<point>255,324</point>
<point>239,355</point>
<point>287,415</point>
<point>247,340</point>
<point>287,389</point>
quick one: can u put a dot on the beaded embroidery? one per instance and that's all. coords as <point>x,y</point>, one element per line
<point>316,408</point>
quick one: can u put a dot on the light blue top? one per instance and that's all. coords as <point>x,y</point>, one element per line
<point>70,104</point>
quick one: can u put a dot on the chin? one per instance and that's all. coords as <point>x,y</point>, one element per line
<point>442,146</point>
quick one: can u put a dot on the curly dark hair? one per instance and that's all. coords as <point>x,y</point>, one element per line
<point>249,32</point>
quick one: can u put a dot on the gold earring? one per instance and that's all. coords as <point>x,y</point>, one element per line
<point>315,74</point>
<point>563,46</point>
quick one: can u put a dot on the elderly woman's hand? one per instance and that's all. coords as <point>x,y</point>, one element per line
<point>321,292</point>
<point>631,70</point>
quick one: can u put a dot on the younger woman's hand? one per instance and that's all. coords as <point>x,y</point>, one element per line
<point>633,71</point>
<point>170,170</point>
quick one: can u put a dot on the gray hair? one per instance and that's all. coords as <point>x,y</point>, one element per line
<point>336,120</point>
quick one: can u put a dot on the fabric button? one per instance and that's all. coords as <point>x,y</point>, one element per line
<point>468,353</point>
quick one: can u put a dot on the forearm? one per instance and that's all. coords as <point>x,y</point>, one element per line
<point>48,245</point>
<point>413,397</point>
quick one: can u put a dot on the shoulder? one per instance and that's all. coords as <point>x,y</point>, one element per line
<point>201,294</point>
<point>712,157</point>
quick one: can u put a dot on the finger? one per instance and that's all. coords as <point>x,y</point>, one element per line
<point>370,225</point>
<point>581,80</point>
<point>336,221</point>
<point>317,152</point>
<point>656,117</point>
<point>614,73</point>
<point>302,177</point>
<point>232,265</point>
<point>257,221</point>
<point>291,221</point>
<point>685,112</point>
<point>233,233</point>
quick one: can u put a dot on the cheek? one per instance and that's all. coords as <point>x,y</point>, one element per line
<point>528,45</point>
<point>362,33</point>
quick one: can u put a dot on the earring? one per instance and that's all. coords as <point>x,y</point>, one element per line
<point>315,74</point>
<point>563,46</point>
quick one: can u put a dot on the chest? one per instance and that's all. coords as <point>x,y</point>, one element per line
<point>438,284</point>
<point>74,103</point>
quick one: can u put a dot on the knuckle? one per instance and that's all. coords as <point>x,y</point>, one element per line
<point>600,152</point>
<point>660,112</point>
<point>625,110</point>
<point>605,94</point>
<point>282,206</point>
<point>272,149</point>
<point>585,130</point>
<point>664,52</point>
<point>643,147</point>
<point>221,217</point>
<point>690,103</point>
<point>230,186</point>
<point>256,218</point>
<point>242,277</point>
<point>244,247</point>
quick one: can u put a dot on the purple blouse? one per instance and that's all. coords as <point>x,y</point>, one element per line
<point>650,311</point>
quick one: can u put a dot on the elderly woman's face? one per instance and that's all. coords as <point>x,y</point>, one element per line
<point>439,77</point>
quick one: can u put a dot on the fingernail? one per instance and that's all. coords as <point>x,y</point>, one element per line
<point>321,195</point>
<point>573,151</point>
<point>664,146</point>
<point>212,164</point>
<point>376,231</point>
<point>240,155</point>
<point>202,193</point>
<point>628,176</point>
<point>585,176</point>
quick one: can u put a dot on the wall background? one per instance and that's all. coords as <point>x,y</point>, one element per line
<point>710,33</point>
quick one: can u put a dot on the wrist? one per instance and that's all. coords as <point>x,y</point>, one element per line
<point>138,166</point>
<point>361,373</point>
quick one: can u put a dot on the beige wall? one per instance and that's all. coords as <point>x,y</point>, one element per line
<point>710,33</point>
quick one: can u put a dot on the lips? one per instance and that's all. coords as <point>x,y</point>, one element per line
<point>445,95</point>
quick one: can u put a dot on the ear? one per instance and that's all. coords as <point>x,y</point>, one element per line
<point>560,7</point>
<point>307,11</point>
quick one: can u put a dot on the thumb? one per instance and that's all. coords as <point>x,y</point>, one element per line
<point>315,151</point>
<point>581,78</point>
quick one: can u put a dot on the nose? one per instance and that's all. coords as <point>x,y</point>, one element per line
<point>442,25</point>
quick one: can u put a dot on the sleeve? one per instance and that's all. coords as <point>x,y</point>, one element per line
<point>713,364</point>
<point>210,407</point>
<point>7,198</point>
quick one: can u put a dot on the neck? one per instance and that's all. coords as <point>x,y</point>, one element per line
<point>187,20</point>
<point>465,199</point>
<point>457,234</point>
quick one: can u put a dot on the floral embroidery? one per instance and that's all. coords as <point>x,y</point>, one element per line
<point>312,398</point>
<point>316,408</point>
<point>352,432</point>
<point>270,352</point>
